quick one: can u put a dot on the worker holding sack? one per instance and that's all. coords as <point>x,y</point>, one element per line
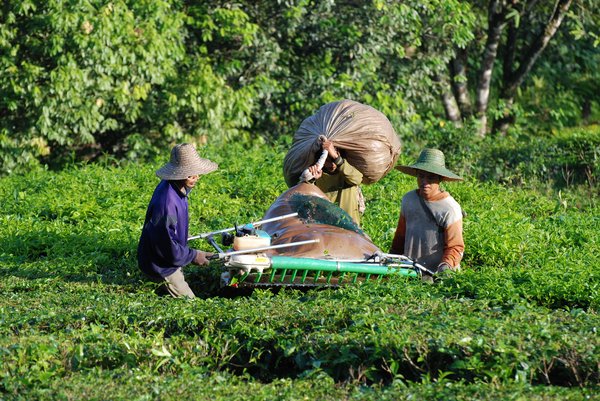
<point>163,248</point>
<point>366,149</point>
<point>430,227</point>
<point>340,181</point>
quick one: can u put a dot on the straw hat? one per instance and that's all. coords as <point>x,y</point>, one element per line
<point>185,162</point>
<point>431,161</point>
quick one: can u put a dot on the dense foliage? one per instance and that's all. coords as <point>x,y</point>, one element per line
<point>77,321</point>
<point>119,82</point>
<point>558,159</point>
<point>565,158</point>
<point>86,78</point>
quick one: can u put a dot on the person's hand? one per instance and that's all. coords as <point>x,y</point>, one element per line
<point>201,258</point>
<point>444,268</point>
<point>315,171</point>
<point>328,146</point>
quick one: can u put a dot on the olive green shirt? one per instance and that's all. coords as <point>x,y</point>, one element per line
<point>341,187</point>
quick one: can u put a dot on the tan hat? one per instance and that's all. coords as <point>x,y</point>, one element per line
<point>185,162</point>
<point>431,161</point>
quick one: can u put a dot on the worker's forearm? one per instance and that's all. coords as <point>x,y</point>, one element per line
<point>454,244</point>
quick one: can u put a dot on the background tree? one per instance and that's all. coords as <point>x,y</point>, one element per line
<point>86,78</point>
<point>381,52</point>
<point>78,73</point>
<point>511,39</point>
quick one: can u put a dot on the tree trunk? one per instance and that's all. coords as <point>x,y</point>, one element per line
<point>538,45</point>
<point>510,50</point>
<point>448,101</point>
<point>513,80</point>
<point>458,74</point>
<point>451,108</point>
<point>586,110</point>
<point>496,16</point>
<point>502,124</point>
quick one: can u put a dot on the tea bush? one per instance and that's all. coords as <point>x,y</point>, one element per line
<point>564,158</point>
<point>556,159</point>
<point>77,320</point>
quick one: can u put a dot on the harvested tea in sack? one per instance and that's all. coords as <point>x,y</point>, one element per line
<point>363,135</point>
<point>317,219</point>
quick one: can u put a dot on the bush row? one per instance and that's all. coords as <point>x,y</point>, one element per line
<point>73,305</point>
<point>566,158</point>
<point>370,334</point>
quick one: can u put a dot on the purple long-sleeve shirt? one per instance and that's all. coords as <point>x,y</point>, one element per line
<point>163,244</point>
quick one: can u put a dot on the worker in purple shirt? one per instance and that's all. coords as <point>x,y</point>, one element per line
<point>163,248</point>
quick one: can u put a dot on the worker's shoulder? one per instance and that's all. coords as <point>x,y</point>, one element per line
<point>448,206</point>
<point>451,201</point>
<point>411,196</point>
<point>348,168</point>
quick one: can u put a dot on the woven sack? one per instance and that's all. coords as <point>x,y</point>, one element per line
<point>364,135</point>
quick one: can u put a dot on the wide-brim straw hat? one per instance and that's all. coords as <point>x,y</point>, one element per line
<point>185,162</point>
<point>431,161</point>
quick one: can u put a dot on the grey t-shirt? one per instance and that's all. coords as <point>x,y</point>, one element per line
<point>424,241</point>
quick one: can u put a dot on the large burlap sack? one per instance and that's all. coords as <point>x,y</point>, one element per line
<point>318,218</point>
<point>364,134</point>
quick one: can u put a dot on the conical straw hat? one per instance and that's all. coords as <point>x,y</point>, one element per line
<point>431,161</point>
<point>185,162</point>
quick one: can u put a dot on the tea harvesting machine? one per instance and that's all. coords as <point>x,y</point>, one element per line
<point>253,261</point>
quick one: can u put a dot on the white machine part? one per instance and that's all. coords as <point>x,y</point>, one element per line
<point>249,262</point>
<point>250,242</point>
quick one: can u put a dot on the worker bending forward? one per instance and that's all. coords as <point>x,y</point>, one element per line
<point>163,248</point>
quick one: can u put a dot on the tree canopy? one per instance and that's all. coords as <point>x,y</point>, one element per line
<point>126,78</point>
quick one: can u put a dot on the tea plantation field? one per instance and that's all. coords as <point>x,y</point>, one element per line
<point>77,321</point>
